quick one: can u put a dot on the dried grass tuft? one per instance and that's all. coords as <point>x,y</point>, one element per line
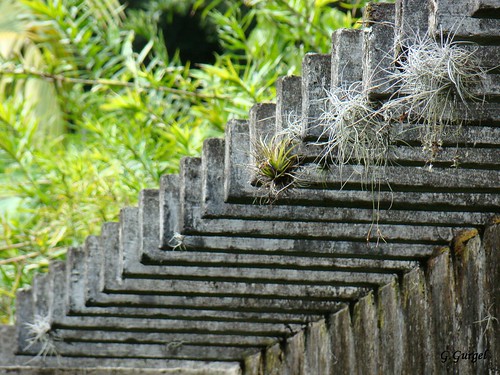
<point>436,79</point>
<point>355,133</point>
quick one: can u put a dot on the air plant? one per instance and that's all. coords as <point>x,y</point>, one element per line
<point>41,333</point>
<point>177,241</point>
<point>436,79</point>
<point>354,134</point>
<point>276,165</point>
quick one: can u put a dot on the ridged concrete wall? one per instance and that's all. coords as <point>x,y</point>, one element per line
<point>436,319</point>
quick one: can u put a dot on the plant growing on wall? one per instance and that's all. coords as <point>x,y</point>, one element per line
<point>434,82</point>
<point>437,78</point>
<point>276,165</point>
<point>355,133</point>
<point>41,334</point>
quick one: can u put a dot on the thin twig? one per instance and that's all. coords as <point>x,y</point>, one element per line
<point>19,258</point>
<point>14,246</point>
<point>59,78</point>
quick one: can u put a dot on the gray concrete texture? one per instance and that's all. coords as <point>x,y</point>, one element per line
<point>406,325</point>
<point>316,75</point>
<point>458,18</point>
<point>426,194</point>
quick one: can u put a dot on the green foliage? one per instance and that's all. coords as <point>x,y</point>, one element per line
<point>87,119</point>
<point>267,41</point>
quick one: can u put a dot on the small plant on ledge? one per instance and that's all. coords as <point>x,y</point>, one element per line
<point>276,165</point>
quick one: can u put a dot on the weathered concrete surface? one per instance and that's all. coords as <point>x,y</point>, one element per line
<point>487,56</point>
<point>41,294</point>
<point>293,363</point>
<point>412,200</point>
<point>454,17</point>
<point>378,49</point>
<point>411,22</point>
<point>473,135</point>
<point>262,128</point>
<point>24,314</point>
<point>149,219</point>
<point>148,344</point>
<point>310,247</point>
<point>288,102</point>
<point>262,124</point>
<point>236,157</point>
<point>130,250</point>
<point>75,335</point>
<point>253,364</point>
<point>365,330</point>
<point>316,75</point>
<point>273,360</point>
<point>489,86</point>
<point>442,304</point>
<point>347,57</point>
<point>418,343</point>
<point>391,330</point>
<point>487,7</point>
<point>181,326</point>
<point>243,307</point>
<point>343,359</point>
<point>150,351</point>
<point>469,274</point>
<point>173,344</point>
<point>104,349</point>
<point>413,321</point>
<point>193,223</point>
<point>400,177</point>
<point>169,215</point>
<point>491,305</point>
<point>236,190</point>
<point>238,272</point>
<point>247,281</point>
<point>26,370</point>
<point>317,356</point>
<point>12,363</point>
<point>289,261</point>
<point>466,157</point>
<point>179,309</point>
<point>213,205</point>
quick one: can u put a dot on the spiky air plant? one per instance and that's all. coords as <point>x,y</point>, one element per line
<point>41,333</point>
<point>354,134</point>
<point>276,165</point>
<point>177,242</point>
<point>437,78</point>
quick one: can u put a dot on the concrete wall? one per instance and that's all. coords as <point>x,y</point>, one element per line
<point>201,278</point>
<point>440,318</point>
